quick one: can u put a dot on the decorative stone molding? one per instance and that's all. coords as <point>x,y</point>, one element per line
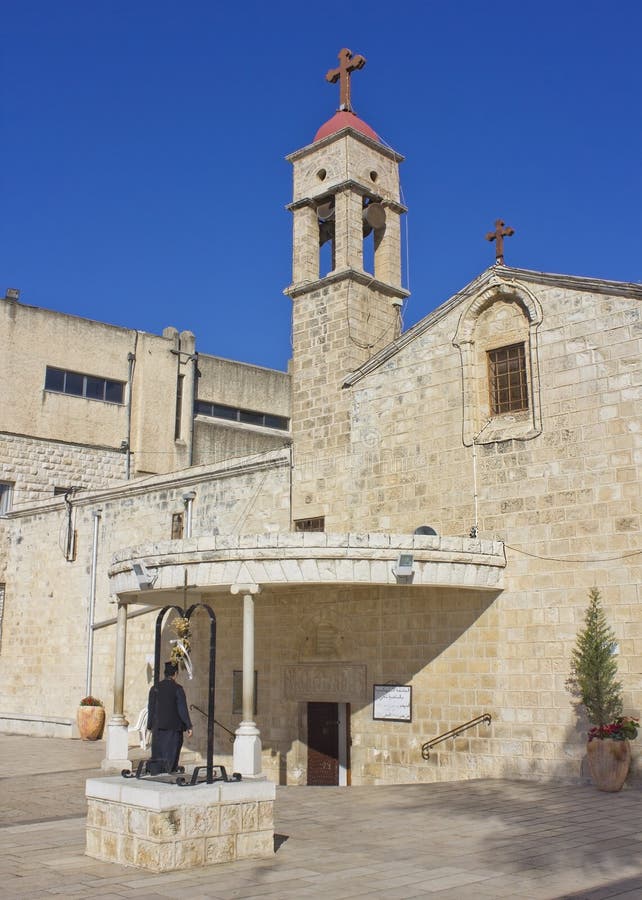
<point>331,682</point>
<point>357,275</point>
<point>217,562</point>
<point>478,424</point>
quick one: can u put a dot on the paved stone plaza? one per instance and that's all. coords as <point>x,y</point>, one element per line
<point>458,840</point>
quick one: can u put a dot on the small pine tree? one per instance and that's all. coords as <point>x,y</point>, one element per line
<point>594,666</point>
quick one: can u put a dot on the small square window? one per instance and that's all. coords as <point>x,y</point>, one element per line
<point>114,391</point>
<point>252,418</point>
<point>54,380</point>
<point>317,524</point>
<point>95,388</point>
<point>74,383</point>
<point>224,412</point>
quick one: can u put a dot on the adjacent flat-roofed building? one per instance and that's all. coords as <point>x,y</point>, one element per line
<point>87,405</point>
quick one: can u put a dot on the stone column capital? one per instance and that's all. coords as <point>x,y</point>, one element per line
<point>245,588</point>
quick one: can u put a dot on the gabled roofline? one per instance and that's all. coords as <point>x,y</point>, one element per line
<point>501,274</point>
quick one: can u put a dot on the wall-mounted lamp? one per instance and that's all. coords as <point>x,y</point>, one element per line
<point>403,569</point>
<point>145,578</point>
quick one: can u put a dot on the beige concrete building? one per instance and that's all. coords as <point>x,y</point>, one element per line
<point>87,405</point>
<point>418,558</point>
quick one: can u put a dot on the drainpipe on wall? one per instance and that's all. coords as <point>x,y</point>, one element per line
<point>195,377</point>
<point>92,602</point>
<point>474,531</point>
<point>131,359</point>
<point>189,500</point>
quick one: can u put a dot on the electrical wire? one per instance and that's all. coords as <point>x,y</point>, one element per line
<point>574,559</point>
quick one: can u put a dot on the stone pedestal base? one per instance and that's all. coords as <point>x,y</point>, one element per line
<point>117,746</point>
<point>246,754</point>
<point>162,827</point>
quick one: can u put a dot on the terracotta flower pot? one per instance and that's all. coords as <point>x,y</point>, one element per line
<point>91,721</point>
<point>609,763</point>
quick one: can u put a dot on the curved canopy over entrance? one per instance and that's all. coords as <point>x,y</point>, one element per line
<point>147,573</point>
<point>161,574</point>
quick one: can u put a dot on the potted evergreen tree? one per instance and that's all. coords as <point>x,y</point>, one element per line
<point>594,681</point>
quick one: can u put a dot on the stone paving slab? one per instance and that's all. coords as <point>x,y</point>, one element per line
<point>476,839</point>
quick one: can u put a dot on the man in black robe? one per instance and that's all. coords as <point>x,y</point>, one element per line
<point>167,719</point>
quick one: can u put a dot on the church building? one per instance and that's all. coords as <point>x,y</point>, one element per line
<point>396,538</point>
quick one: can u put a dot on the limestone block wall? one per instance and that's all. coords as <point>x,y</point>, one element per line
<point>37,466</point>
<point>335,329</point>
<point>163,827</point>
<point>461,652</point>
<point>408,417</point>
<point>383,635</point>
<point>567,502</point>
<point>348,156</point>
<point>44,629</point>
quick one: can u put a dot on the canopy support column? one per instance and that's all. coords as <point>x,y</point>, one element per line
<point>117,735</point>
<point>247,743</point>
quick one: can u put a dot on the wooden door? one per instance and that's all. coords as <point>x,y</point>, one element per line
<point>323,743</point>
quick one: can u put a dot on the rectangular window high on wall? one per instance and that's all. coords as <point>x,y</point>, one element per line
<point>234,414</point>
<point>59,381</point>
<point>316,524</point>
<point>507,380</point>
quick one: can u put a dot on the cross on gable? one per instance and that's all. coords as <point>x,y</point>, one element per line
<point>498,235</point>
<point>347,64</point>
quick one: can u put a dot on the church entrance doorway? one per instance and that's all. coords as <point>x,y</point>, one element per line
<point>328,743</point>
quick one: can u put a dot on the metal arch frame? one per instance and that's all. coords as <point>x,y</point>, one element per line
<point>211,687</point>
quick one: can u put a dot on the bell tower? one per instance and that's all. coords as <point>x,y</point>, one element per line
<point>346,283</point>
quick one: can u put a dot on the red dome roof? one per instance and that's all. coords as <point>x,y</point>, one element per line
<point>343,119</point>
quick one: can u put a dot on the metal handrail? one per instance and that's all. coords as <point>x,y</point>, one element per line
<point>216,721</point>
<point>427,747</point>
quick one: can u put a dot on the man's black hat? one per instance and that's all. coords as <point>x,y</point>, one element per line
<point>170,669</point>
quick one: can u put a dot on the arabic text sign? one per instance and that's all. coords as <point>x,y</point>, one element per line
<point>392,702</point>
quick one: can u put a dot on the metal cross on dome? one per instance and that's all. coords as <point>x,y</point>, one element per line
<point>347,64</point>
<point>498,235</point>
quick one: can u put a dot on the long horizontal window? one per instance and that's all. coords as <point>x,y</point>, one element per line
<point>233,414</point>
<point>79,385</point>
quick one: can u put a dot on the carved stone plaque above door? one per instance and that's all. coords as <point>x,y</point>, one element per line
<point>332,682</point>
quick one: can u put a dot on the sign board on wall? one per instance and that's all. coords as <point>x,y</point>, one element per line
<point>392,702</point>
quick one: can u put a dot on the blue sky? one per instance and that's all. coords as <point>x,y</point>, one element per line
<point>143,172</point>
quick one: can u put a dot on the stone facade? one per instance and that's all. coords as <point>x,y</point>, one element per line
<point>44,629</point>
<point>390,432</point>
<point>39,468</point>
